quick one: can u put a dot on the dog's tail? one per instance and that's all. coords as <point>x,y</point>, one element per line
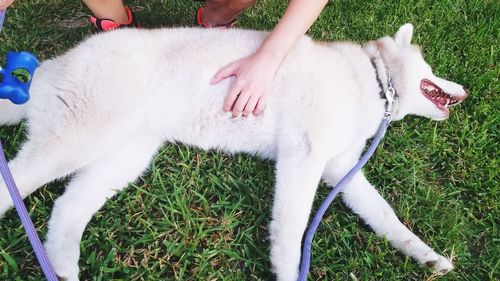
<point>11,114</point>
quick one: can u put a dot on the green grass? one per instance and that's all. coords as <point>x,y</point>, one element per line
<point>204,216</point>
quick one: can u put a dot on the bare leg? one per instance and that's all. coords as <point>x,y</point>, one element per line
<point>223,11</point>
<point>108,9</point>
<point>86,194</point>
<point>365,201</point>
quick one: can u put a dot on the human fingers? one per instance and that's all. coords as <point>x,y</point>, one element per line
<point>232,96</point>
<point>226,71</point>
<point>250,106</point>
<point>240,103</point>
<point>261,105</point>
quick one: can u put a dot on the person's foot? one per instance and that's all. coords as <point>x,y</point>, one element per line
<point>209,20</point>
<point>99,25</point>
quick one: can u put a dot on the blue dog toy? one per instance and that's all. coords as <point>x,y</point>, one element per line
<point>19,69</point>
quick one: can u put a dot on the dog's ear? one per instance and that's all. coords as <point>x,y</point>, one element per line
<point>404,35</point>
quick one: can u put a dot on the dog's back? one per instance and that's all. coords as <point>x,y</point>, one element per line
<point>157,82</point>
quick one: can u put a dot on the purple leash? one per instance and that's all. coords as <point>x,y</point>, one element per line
<point>36,244</point>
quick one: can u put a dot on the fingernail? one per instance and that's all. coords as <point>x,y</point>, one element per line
<point>214,80</point>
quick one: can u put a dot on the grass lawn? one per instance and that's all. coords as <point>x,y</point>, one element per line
<point>204,215</point>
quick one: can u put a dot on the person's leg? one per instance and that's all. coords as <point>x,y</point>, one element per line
<point>108,9</point>
<point>220,12</point>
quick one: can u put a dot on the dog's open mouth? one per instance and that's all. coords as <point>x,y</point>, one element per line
<point>437,96</point>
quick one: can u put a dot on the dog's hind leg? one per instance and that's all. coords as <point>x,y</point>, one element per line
<point>10,113</point>
<point>361,197</point>
<point>297,177</point>
<point>36,163</point>
<point>87,193</point>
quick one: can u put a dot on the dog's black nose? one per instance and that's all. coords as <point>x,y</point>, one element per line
<point>466,91</point>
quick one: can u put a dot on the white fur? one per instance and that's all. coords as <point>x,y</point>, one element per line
<point>102,110</point>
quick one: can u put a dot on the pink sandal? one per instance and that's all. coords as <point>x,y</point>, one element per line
<point>100,25</point>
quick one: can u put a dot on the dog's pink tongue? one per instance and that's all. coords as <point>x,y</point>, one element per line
<point>442,107</point>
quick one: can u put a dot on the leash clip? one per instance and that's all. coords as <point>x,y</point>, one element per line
<point>390,97</point>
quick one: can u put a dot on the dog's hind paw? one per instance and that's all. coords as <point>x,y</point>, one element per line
<point>440,266</point>
<point>3,208</point>
<point>5,201</point>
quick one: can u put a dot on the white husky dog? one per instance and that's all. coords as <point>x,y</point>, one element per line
<point>100,113</point>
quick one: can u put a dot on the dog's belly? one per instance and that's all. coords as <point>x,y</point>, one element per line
<point>215,129</point>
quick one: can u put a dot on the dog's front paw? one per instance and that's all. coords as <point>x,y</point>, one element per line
<point>66,271</point>
<point>285,263</point>
<point>287,276</point>
<point>64,261</point>
<point>440,266</point>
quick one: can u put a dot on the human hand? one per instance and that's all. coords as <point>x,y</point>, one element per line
<point>5,3</point>
<point>252,86</point>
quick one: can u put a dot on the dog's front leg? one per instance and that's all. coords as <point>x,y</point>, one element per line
<point>297,179</point>
<point>364,200</point>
